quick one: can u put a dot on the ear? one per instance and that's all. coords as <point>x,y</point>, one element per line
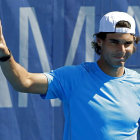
<point>99,42</point>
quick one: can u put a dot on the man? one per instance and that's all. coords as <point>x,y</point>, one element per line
<point>101,99</point>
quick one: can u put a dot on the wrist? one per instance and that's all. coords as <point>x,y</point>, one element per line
<point>7,57</point>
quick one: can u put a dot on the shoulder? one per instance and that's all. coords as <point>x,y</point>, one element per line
<point>72,70</point>
<point>64,80</point>
<point>70,74</point>
<point>132,73</point>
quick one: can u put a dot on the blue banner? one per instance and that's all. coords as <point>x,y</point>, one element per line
<point>44,35</point>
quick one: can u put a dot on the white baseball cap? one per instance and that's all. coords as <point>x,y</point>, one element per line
<point>108,22</point>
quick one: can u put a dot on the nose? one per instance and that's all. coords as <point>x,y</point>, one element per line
<point>121,48</point>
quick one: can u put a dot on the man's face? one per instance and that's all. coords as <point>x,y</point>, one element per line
<point>116,48</point>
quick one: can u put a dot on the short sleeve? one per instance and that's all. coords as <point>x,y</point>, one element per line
<point>62,81</point>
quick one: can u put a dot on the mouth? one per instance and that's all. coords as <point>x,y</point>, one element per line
<point>120,58</point>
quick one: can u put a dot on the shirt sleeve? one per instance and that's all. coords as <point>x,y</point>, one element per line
<point>62,81</point>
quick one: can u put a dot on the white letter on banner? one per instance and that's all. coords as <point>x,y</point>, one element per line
<point>5,99</point>
<point>135,11</point>
<point>28,14</point>
<point>87,13</point>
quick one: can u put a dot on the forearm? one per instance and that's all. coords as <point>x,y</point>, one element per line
<point>19,77</point>
<point>15,74</point>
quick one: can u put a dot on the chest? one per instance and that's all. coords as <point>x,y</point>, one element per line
<point>113,101</point>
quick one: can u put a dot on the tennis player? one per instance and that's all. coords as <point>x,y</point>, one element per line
<point>101,99</point>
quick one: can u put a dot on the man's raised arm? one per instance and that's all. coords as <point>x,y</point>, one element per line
<point>19,77</point>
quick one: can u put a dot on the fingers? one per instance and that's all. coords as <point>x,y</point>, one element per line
<point>2,41</point>
<point>0,32</point>
<point>0,28</point>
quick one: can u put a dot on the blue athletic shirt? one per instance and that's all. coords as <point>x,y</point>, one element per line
<point>96,106</point>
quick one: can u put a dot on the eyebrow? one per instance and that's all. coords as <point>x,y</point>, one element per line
<point>115,40</point>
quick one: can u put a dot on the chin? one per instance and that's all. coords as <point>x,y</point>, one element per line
<point>118,65</point>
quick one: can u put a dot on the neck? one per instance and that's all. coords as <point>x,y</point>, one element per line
<point>110,70</point>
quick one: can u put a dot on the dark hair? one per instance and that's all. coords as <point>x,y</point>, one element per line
<point>102,35</point>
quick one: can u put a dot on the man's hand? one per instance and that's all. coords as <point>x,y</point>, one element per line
<point>3,48</point>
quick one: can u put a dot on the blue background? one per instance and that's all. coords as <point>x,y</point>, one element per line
<point>38,119</point>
